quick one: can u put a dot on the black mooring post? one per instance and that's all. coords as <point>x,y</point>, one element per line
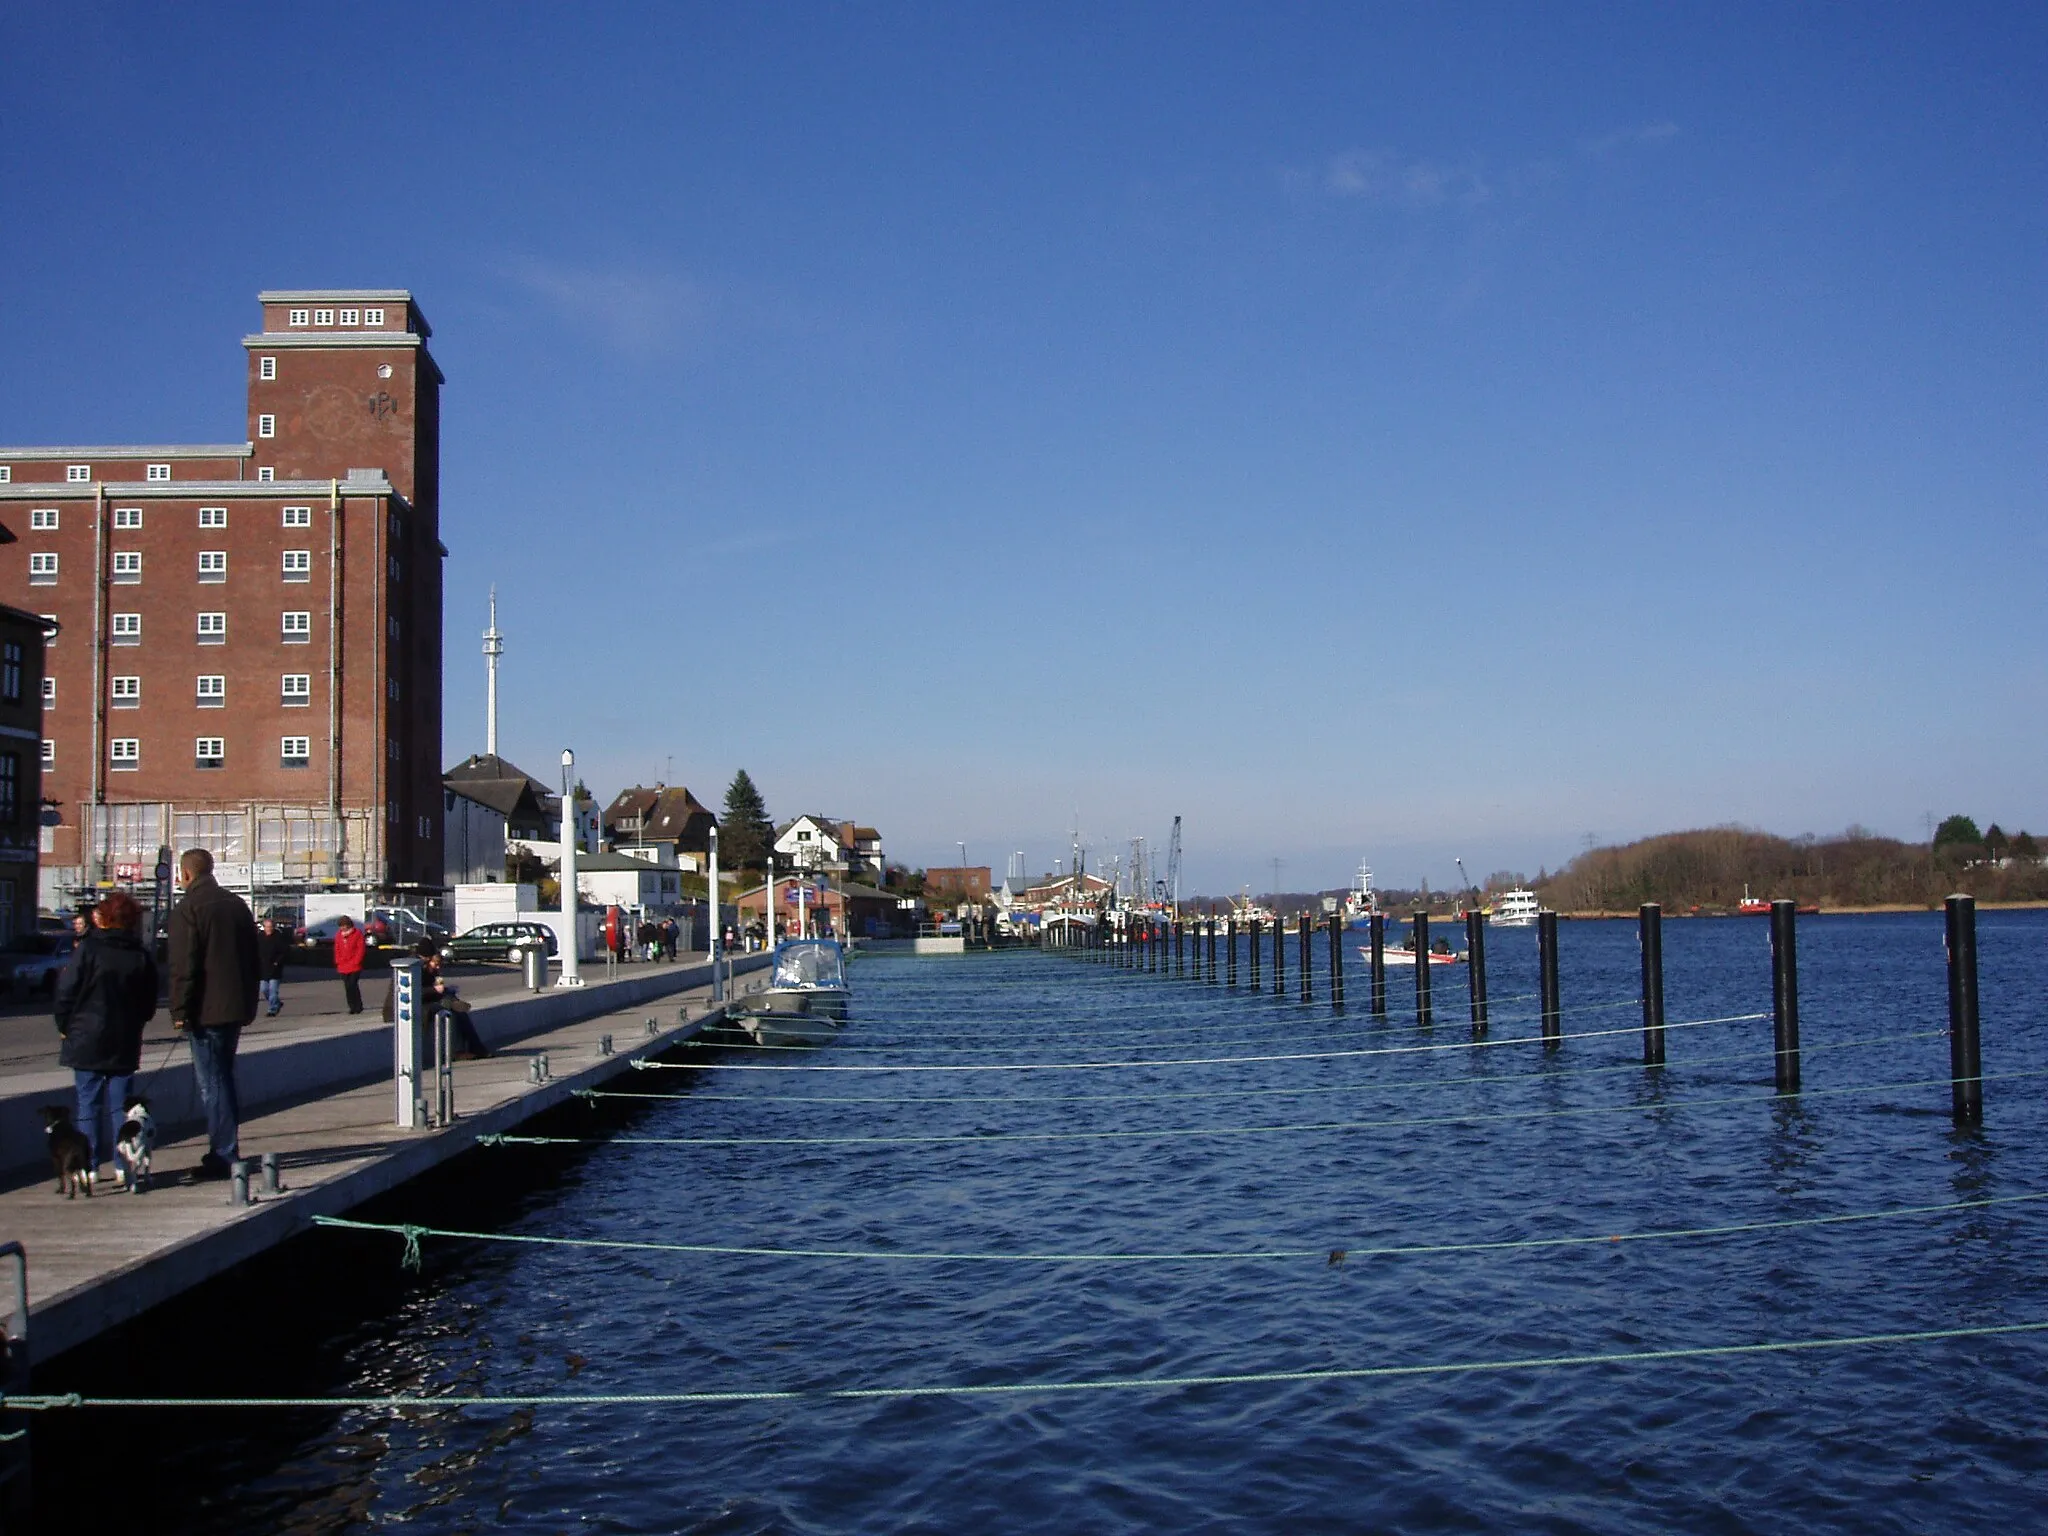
<point>1180,949</point>
<point>1475,967</point>
<point>1230,949</point>
<point>1424,1013</point>
<point>1377,924</point>
<point>1336,959</point>
<point>1279,955</point>
<point>1306,934</point>
<point>1546,980</point>
<point>1156,949</point>
<point>1253,933</point>
<point>1209,937</point>
<point>1650,933</point>
<point>1965,1064</point>
<point>1785,992</point>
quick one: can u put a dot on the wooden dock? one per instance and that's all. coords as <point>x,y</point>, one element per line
<point>96,1263</point>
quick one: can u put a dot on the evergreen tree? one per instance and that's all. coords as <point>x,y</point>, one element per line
<point>1958,829</point>
<point>2024,847</point>
<point>745,834</point>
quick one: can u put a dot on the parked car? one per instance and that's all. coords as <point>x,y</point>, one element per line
<point>33,960</point>
<point>400,926</point>
<point>499,941</point>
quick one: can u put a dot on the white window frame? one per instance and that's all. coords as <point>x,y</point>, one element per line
<point>266,426</point>
<point>373,317</point>
<point>42,569</point>
<point>296,689</point>
<point>215,758</point>
<point>43,519</point>
<point>349,317</point>
<point>213,517</point>
<point>297,317</point>
<point>265,475</point>
<point>124,692</point>
<point>6,474</point>
<point>157,473</point>
<point>298,565</point>
<point>323,317</point>
<point>126,629</point>
<point>49,693</point>
<point>298,626</point>
<point>78,474</point>
<point>124,753</point>
<point>302,757</point>
<point>213,566</point>
<point>128,519</point>
<point>127,567</point>
<point>210,689</point>
<point>217,633</point>
<point>49,753</point>
<point>266,367</point>
<point>298,517</point>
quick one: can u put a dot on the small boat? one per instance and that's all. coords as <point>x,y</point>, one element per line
<point>1753,906</point>
<point>1515,909</point>
<point>806,999</point>
<point>1440,953</point>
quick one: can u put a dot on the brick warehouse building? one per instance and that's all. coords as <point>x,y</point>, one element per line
<point>248,655</point>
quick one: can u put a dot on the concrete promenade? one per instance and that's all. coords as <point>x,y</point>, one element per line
<point>94,1264</point>
<point>312,1047</point>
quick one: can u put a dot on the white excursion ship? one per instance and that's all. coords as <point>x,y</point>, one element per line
<point>1515,909</point>
<point>1361,901</point>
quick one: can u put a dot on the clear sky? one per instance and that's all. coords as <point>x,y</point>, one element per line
<point>1393,432</point>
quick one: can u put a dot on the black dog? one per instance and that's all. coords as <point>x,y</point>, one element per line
<point>70,1152</point>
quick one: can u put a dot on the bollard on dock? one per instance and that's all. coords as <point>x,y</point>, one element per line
<point>272,1183</point>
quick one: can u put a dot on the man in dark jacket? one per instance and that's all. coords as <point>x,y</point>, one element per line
<point>273,948</point>
<point>213,953</point>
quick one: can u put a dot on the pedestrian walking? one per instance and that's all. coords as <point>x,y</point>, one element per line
<point>105,995</point>
<point>273,950</point>
<point>213,953</point>
<point>349,946</point>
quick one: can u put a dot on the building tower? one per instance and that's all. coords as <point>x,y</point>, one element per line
<point>494,647</point>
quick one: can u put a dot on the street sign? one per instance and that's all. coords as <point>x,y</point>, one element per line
<point>127,874</point>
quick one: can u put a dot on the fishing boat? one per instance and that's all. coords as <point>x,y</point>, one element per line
<point>806,999</point>
<point>1361,901</point>
<point>1753,906</point>
<point>1515,909</point>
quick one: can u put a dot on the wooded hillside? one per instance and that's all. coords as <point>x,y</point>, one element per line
<point>1710,869</point>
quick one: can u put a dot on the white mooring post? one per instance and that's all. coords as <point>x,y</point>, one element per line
<point>409,1034</point>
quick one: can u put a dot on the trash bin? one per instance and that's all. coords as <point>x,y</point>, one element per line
<point>535,960</point>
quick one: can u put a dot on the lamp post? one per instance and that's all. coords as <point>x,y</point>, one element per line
<point>717,991</point>
<point>571,975</point>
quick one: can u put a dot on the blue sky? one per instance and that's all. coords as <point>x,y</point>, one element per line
<point>1393,432</point>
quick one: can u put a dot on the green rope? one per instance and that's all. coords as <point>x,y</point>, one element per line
<point>1186,1061</point>
<point>1549,1074</point>
<point>1396,1250</point>
<point>33,1403</point>
<point>1180,1133</point>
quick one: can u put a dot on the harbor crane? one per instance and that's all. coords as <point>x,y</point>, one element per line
<point>1172,881</point>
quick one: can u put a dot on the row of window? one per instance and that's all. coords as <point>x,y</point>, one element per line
<point>125,690</point>
<point>81,474</point>
<point>49,520</point>
<point>297,565</point>
<point>126,629</point>
<point>125,752</point>
<point>349,317</point>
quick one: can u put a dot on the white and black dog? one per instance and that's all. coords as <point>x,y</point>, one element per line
<point>135,1146</point>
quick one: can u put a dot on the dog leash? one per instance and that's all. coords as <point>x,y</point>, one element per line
<point>170,1051</point>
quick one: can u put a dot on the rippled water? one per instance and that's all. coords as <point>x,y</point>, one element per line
<point>1306,1149</point>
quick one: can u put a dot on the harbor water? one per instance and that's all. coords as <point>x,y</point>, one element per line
<point>1056,1175</point>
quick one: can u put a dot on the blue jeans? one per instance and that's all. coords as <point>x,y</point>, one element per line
<point>213,1065</point>
<point>101,1098</point>
<point>273,993</point>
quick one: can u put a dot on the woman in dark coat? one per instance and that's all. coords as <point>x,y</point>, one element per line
<point>105,995</point>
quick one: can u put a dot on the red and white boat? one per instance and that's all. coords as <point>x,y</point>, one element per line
<point>1400,954</point>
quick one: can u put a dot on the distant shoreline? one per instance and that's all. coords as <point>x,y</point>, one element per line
<point>1826,911</point>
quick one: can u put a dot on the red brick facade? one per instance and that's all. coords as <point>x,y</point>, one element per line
<point>259,597</point>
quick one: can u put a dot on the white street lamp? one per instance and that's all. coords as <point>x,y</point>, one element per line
<point>717,991</point>
<point>571,975</point>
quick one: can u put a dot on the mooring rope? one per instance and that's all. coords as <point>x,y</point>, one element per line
<point>412,1235</point>
<point>1185,1133</point>
<point>50,1402</point>
<point>1189,1061</point>
<point>1548,1072</point>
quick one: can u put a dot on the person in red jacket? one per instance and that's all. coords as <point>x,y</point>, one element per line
<point>348,961</point>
